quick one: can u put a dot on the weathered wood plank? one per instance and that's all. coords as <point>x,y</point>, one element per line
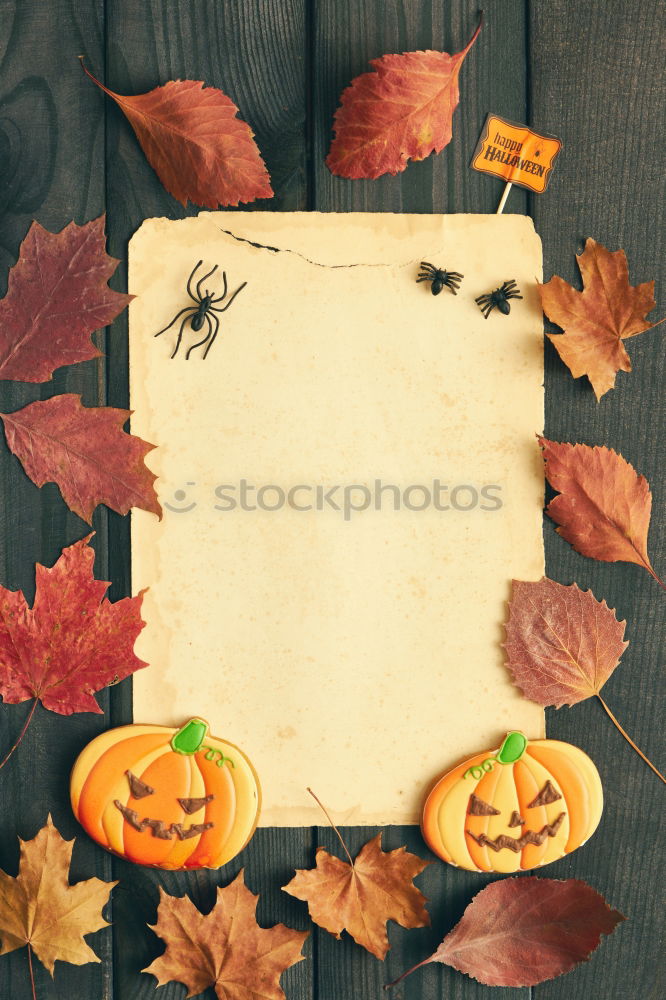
<point>347,35</point>
<point>256,53</point>
<point>596,83</point>
<point>52,167</point>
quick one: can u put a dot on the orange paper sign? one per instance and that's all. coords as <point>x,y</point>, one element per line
<point>516,154</point>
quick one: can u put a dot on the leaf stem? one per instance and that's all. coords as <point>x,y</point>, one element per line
<point>426,961</point>
<point>32,976</point>
<point>326,814</point>
<point>21,734</point>
<point>629,739</point>
<point>657,578</point>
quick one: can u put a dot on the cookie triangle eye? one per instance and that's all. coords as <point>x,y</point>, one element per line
<point>547,795</point>
<point>477,807</point>
<point>194,805</point>
<point>138,788</point>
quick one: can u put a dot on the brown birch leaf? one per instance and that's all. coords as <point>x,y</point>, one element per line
<point>604,505</point>
<point>562,643</point>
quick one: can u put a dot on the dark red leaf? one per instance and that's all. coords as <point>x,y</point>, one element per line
<point>57,296</point>
<point>72,642</point>
<point>604,505</point>
<point>403,111</point>
<point>195,143</point>
<point>85,451</point>
<point>524,931</point>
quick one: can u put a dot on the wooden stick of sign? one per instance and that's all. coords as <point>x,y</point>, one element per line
<point>505,195</point>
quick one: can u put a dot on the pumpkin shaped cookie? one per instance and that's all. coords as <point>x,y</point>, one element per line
<point>519,807</point>
<point>166,798</point>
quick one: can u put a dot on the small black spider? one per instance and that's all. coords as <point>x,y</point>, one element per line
<point>203,311</point>
<point>499,299</point>
<point>439,278</point>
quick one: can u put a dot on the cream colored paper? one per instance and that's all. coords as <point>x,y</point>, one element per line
<point>360,657</point>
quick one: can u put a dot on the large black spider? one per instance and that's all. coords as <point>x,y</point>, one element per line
<point>499,299</point>
<point>439,278</point>
<point>203,311</point>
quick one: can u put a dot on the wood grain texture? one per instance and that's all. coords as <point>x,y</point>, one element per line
<point>52,169</point>
<point>256,53</point>
<point>596,83</point>
<point>588,74</point>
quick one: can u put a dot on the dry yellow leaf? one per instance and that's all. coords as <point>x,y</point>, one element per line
<point>39,907</point>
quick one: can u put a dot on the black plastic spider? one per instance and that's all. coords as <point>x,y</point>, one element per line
<point>439,278</point>
<point>499,299</point>
<point>203,311</point>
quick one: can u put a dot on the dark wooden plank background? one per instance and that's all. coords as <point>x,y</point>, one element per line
<point>591,74</point>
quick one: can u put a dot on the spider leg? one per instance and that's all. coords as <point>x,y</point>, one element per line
<point>201,280</point>
<point>508,285</point>
<point>204,339</point>
<point>428,267</point>
<point>176,317</point>
<point>224,309</point>
<point>482,300</point>
<point>513,294</point>
<point>487,309</point>
<point>189,280</point>
<point>424,277</point>
<point>216,329</point>
<point>179,337</point>
<point>224,293</point>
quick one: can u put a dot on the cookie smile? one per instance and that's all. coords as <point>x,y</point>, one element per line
<point>516,844</point>
<point>159,827</point>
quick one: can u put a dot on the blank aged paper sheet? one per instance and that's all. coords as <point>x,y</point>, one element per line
<point>350,480</point>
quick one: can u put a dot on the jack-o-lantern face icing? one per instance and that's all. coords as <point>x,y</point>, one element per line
<point>166,798</point>
<point>522,806</point>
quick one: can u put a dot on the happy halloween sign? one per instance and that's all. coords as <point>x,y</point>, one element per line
<point>516,154</point>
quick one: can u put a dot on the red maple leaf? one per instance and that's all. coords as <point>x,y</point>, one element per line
<point>85,451</point>
<point>195,143</point>
<point>72,642</point>
<point>524,931</point>
<point>604,505</point>
<point>402,111</point>
<point>57,296</point>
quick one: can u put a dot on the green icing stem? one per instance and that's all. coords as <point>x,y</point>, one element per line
<point>189,737</point>
<point>512,749</point>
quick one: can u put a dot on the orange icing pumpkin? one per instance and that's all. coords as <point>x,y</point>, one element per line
<point>516,808</point>
<point>166,798</point>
